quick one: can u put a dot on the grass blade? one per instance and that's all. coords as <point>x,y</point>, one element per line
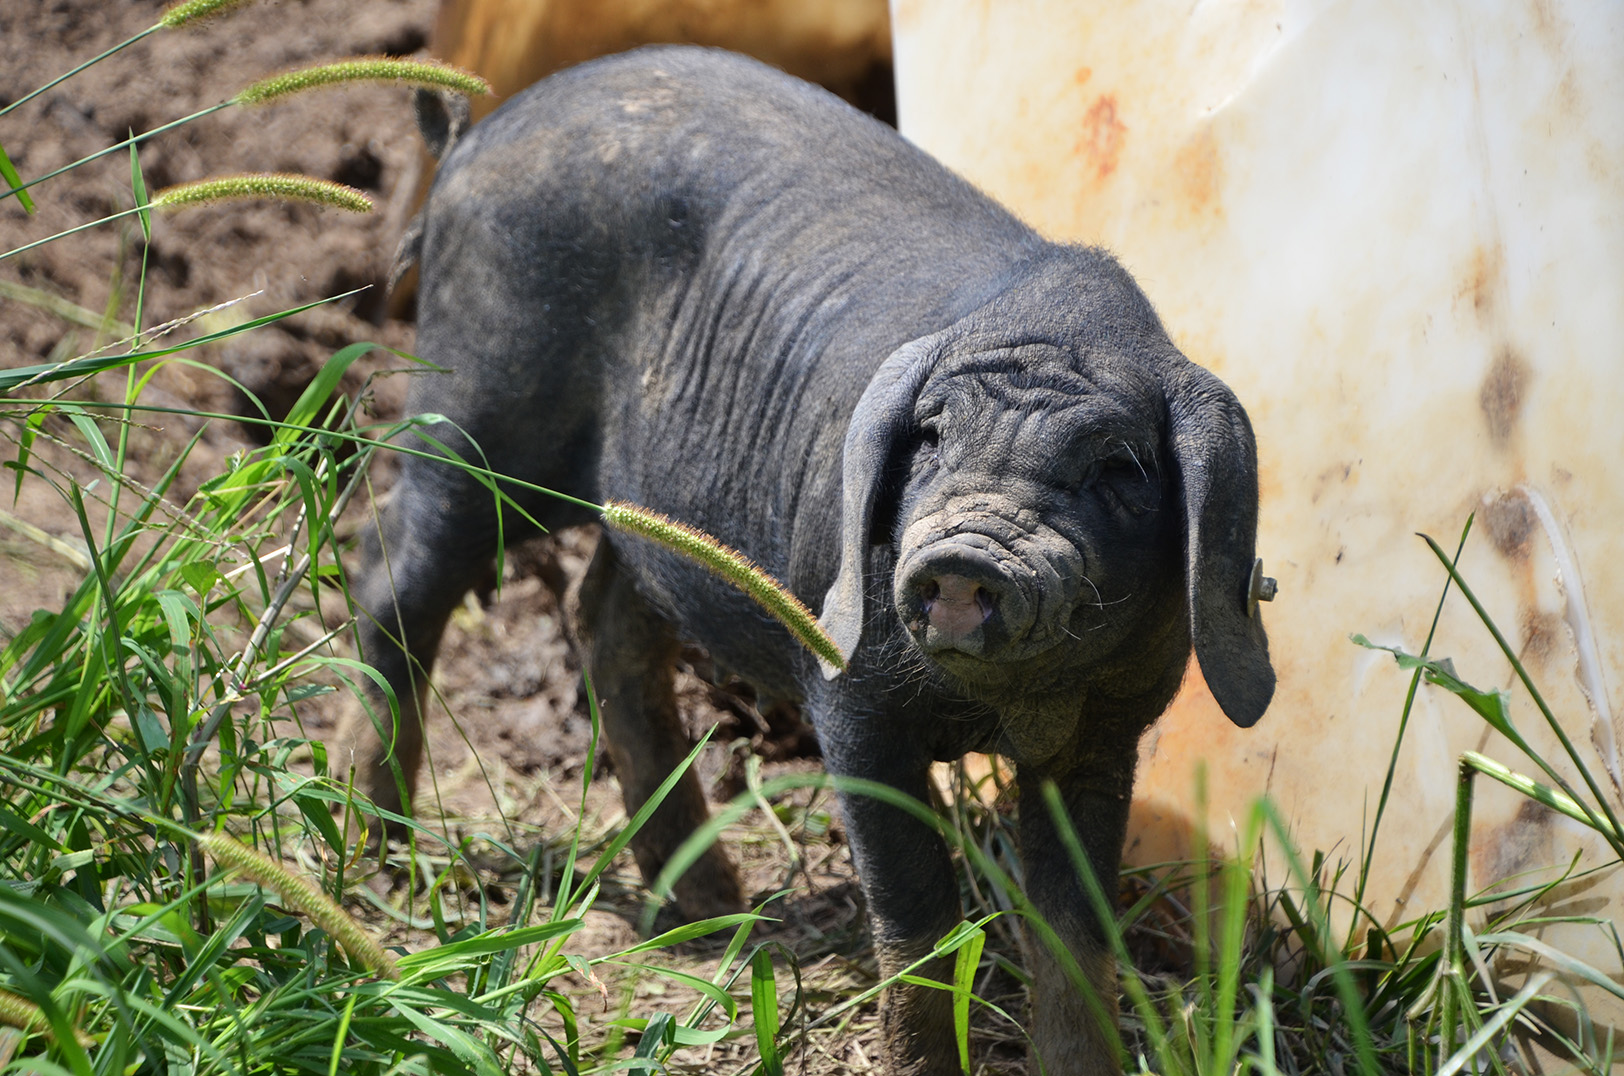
<point>764,1010</point>
<point>8,172</point>
<point>965,963</point>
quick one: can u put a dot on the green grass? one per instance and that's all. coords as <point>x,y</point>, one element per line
<point>144,720</point>
<point>157,710</point>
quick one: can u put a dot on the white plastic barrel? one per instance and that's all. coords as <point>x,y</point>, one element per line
<point>1396,230</point>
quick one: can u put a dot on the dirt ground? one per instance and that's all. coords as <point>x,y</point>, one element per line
<point>511,763</point>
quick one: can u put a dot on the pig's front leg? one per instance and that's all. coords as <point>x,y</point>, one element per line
<point>908,880</point>
<point>1073,1033</point>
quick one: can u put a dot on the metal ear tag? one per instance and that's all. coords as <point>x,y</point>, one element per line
<point>1261,588</point>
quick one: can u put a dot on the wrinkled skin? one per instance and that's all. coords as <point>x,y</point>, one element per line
<point>680,279</point>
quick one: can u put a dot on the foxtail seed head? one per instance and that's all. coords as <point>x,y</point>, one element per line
<point>732,566</point>
<point>430,74</point>
<point>192,10</point>
<point>298,893</point>
<point>273,185</point>
<point>21,1013</point>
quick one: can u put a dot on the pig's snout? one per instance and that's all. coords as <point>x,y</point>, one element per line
<point>963,600</point>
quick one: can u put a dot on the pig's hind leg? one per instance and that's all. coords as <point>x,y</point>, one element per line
<point>436,540</point>
<point>629,651</point>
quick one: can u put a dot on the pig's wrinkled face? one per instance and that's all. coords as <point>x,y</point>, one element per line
<point>1037,523</point>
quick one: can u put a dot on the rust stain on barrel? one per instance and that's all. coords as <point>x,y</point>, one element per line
<point>1520,844</point>
<point>1543,637</point>
<point>1200,171</point>
<point>1103,135</point>
<point>1510,521</point>
<point>1502,394</point>
<point>1482,280</point>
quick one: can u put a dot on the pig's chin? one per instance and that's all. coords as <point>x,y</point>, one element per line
<point>1048,667</point>
<point>1025,669</point>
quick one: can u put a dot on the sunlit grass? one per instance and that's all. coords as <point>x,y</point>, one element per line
<point>177,889</point>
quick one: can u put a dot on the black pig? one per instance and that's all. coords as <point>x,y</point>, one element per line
<point>679,278</point>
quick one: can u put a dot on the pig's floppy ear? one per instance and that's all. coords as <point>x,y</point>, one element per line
<point>1212,445</point>
<point>883,416</point>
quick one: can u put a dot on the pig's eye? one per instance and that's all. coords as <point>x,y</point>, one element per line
<point>1121,481</point>
<point>930,440</point>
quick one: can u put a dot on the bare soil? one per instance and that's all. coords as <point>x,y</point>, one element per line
<point>510,765</point>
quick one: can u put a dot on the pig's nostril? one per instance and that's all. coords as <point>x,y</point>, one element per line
<point>955,604</point>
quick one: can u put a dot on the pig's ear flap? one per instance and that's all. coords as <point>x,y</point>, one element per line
<point>883,417</point>
<point>1212,445</point>
<point>442,117</point>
